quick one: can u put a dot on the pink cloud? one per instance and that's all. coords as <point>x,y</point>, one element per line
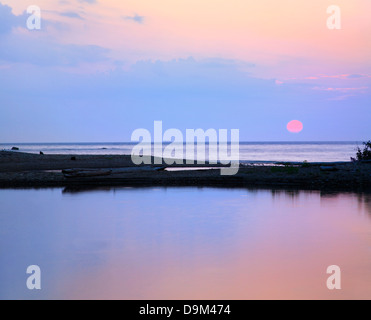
<point>345,76</point>
<point>340,89</point>
<point>341,98</point>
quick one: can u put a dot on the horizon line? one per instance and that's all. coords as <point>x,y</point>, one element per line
<point>241,142</point>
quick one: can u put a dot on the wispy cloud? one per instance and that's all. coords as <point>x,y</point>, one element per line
<point>88,1</point>
<point>220,92</point>
<point>338,76</point>
<point>341,98</point>
<point>71,14</point>
<point>135,18</point>
<point>341,89</point>
<point>340,94</point>
<point>48,52</point>
<point>8,20</point>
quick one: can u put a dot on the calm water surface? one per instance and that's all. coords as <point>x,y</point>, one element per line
<point>184,243</point>
<point>249,151</point>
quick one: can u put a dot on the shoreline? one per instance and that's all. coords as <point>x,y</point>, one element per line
<point>24,170</point>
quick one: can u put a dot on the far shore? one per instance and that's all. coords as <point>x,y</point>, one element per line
<point>23,170</point>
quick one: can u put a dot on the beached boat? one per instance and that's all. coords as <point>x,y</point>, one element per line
<point>85,173</point>
<point>79,173</point>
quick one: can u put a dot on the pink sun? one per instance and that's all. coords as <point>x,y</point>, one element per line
<point>295,126</point>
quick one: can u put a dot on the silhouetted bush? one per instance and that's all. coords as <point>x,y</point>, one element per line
<point>305,164</point>
<point>364,154</point>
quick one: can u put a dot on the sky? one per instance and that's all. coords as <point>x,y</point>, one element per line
<point>99,69</point>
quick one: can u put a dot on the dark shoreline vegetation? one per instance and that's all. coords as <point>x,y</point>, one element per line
<point>364,154</point>
<point>24,170</point>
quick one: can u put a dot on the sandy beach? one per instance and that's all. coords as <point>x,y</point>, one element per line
<point>32,170</point>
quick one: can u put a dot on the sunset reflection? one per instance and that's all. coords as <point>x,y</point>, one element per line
<point>197,244</point>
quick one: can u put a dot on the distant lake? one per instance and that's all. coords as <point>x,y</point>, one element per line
<point>184,243</point>
<point>249,151</point>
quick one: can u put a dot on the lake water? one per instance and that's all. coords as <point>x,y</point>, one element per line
<point>184,243</point>
<point>249,151</point>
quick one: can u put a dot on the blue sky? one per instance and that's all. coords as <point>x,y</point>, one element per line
<point>55,89</point>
